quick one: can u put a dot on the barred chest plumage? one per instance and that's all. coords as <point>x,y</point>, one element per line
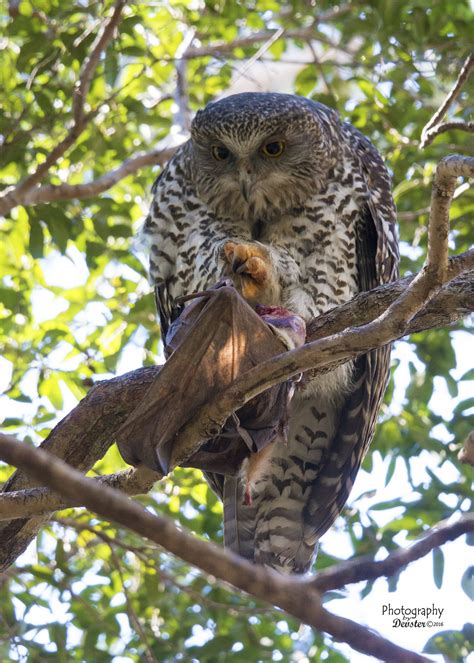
<point>314,245</point>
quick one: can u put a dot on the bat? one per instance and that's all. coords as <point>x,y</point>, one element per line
<point>217,337</point>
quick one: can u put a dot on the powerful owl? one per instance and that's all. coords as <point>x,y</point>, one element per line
<point>294,205</point>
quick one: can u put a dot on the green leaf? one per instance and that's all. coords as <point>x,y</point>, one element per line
<point>438,567</point>
<point>36,244</point>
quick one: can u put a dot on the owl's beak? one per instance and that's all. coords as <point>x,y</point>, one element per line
<point>245,183</point>
<point>245,189</point>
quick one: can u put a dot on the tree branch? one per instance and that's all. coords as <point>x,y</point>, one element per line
<point>112,401</point>
<point>12,197</point>
<point>295,597</point>
<point>434,127</point>
<point>51,193</point>
<point>43,501</point>
<point>263,36</point>
<point>367,569</point>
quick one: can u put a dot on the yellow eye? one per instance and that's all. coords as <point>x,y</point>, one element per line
<point>273,149</point>
<point>220,153</point>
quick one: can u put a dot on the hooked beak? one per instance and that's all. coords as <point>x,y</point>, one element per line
<point>246,183</point>
<point>245,187</point>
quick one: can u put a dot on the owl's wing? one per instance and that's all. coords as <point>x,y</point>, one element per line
<point>377,260</point>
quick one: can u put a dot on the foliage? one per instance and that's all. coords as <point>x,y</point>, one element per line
<point>75,305</point>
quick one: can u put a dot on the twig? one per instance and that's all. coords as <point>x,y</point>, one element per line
<point>433,127</point>
<point>295,597</point>
<point>317,63</point>
<point>411,216</point>
<point>12,197</point>
<point>441,128</point>
<point>261,51</point>
<point>367,569</point>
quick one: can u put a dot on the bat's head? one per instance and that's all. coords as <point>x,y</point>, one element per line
<point>259,155</point>
<point>288,326</point>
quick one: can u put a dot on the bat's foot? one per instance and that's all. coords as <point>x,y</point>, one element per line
<point>252,271</point>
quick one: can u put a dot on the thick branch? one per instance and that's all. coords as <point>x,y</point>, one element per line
<point>362,569</point>
<point>12,197</point>
<point>434,126</point>
<point>295,597</point>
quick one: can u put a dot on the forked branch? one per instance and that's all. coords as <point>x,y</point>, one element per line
<point>435,127</point>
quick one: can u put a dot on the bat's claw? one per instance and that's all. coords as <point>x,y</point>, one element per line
<point>252,271</point>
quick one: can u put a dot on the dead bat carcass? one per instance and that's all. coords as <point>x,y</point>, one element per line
<point>217,337</point>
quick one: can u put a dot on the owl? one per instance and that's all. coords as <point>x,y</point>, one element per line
<point>277,193</point>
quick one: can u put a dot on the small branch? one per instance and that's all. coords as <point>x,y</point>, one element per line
<point>260,53</point>
<point>12,197</point>
<point>89,65</point>
<point>443,127</point>
<point>295,597</point>
<point>411,216</point>
<point>431,129</point>
<point>51,193</point>
<point>219,48</point>
<point>367,569</point>
<point>43,501</point>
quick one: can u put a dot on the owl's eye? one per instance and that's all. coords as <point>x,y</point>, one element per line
<point>273,149</point>
<point>220,153</point>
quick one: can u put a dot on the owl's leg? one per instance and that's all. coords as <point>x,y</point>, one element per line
<point>253,273</point>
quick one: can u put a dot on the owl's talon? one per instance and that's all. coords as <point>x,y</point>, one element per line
<point>248,259</point>
<point>253,270</point>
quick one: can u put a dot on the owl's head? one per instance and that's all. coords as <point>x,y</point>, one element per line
<point>259,155</point>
